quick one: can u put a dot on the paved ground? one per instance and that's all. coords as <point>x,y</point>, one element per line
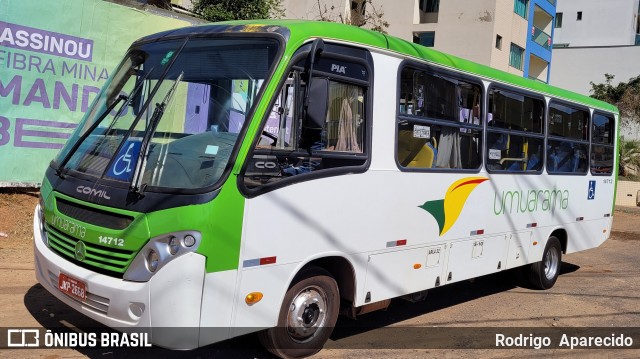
<point>597,288</point>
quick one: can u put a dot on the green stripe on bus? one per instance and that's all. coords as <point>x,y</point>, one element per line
<point>219,222</point>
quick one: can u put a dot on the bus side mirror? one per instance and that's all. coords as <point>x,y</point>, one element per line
<point>316,114</point>
<point>315,99</point>
<point>317,47</point>
<point>137,59</point>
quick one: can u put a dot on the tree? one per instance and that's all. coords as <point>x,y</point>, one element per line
<point>224,10</point>
<point>629,152</point>
<point>363,13</point>
<point>625,95</point>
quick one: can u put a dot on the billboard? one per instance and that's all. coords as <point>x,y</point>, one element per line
<point>54,58</point>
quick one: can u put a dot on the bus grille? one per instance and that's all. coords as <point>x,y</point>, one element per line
<point>101,259</point>
<point>92,215</point>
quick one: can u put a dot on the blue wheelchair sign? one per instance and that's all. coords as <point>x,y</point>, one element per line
<point>122,168</point>
<point>592,190</point>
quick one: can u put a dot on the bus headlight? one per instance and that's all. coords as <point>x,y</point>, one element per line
<point>189,240</point>
<point>152,260</point>
<point>159,251</point>
<point>174,245</point>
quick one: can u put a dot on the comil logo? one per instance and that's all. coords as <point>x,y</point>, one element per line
<point>92,192</point>
<point>265,165</point>
<point>23,338</point>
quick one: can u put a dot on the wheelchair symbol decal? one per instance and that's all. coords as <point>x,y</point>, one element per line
<point>592,190</point>
<point>124,164</point>
<point>126,159</point>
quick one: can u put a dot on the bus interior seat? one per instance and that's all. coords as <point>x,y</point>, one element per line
<point>416,152</point>
<point>514,164</point>
<point>516,159</point>
<point>433,144</point>
<point>533,163</point>
<point>408,146</point>
<point>563,158</point>
<point>568,163</point>
<point>424,158</point>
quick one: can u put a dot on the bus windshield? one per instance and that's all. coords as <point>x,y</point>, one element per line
<point>171,114</point>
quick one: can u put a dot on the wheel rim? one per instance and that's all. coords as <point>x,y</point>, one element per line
<point>551,264</point>
<point>307,313</point>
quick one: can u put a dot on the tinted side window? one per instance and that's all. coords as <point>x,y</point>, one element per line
<point>568,143</point>
<point>290,148</point>
<point>602,142</point>
<point>515,132</point>
<point>439,124</point>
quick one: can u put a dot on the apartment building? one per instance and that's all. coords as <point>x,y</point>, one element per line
<point>510,35</point>
<point>589,23</point>
<point>594,38</point>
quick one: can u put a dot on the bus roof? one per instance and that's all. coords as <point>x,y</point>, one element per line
<point>298,31</point>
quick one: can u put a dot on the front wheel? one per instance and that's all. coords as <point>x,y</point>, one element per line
<point>308,314</point>
<point>543,274</point>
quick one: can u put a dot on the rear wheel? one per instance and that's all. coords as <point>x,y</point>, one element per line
<point>543,274</point>
<point>308,314</point>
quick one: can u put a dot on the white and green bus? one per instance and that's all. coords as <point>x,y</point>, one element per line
<point>271,175</point>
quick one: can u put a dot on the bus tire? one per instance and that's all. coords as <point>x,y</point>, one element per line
<point>307,316</point>
<point>543,274</point>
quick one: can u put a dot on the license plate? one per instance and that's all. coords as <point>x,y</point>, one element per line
<point>72,287</point>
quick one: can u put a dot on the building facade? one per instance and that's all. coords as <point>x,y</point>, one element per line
<point>594,38</point>
<point>510,35</point>
<point>590,23</point>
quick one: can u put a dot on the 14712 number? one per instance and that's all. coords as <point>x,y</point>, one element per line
<point>111,241</point>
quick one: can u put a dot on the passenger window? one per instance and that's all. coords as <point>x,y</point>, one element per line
<point>568,143</point>
<point>343,131</point>
<point>287,147</point>
<point>439,124</point>
<point>602,150</point>
<point>515,135</point>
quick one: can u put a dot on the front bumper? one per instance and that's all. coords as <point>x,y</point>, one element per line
<point>167,306</point>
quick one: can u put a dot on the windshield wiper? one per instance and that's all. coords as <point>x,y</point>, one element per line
<point>136,93</point>
<point>86,134</point>
<point>151,129</point>
<point>102,116</point>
